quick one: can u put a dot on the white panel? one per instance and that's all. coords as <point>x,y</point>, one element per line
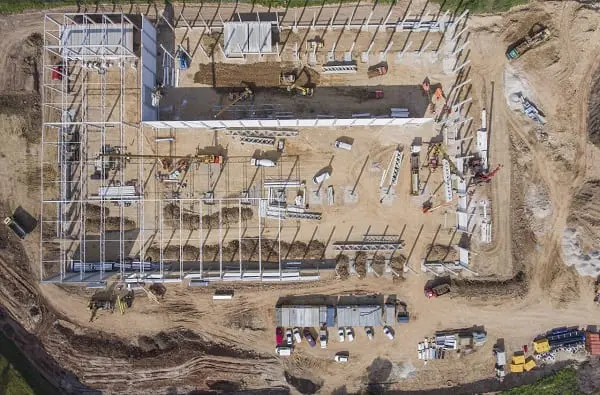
<point>148,66</point>
<point>306,122</point>
<point>325,122</point>
<point>269,123</point>
<point>400,121</point>
<point>344,122</point>
<point>250,123</point>
<point>381,121</point>
<point>362,121</point>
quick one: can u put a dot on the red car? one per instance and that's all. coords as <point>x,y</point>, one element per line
<point>57,73</point>
<point>279,335</point>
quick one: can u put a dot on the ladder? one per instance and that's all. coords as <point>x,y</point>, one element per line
<point>258,140</point>
<point>150,295</point>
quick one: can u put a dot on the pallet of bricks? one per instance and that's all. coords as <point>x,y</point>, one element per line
<point>592,342</point>
<point>437,346</point>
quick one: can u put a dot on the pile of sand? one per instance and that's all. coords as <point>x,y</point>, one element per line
<point>515,83</point>
<point>586,264</point>
<point>582,236</point>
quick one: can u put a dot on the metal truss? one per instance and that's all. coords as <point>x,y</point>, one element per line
<point>380,238</point>
<point>258,140</point>
<point>262,133</point>
<point>358,246</point>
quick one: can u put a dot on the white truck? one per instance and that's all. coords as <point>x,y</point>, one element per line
<point>262,162</point>
<point>342,145</point>
<point>323,337</point>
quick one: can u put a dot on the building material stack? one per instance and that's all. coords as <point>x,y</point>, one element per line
<point>592,342</point>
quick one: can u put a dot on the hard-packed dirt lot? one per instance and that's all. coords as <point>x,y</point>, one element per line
<point>546,227</point>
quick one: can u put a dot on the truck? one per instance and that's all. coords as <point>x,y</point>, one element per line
<point>537,35</point>
<point>323,337</point>
<point>342,145</point>
<point>414,169</point>
<point>377,70</point>
<point>435,291</point>
<point>15,227</point>
<point>264,162</point>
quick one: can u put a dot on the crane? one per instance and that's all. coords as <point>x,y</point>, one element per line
<point>483,177</point>
<point>247,92</point>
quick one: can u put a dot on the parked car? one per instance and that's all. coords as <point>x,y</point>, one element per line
<point>369,332</point>
<point>341,334</point>
<point>297,335</point>
<point>319,178</point>
<point>339,357</point>
<point>288,336</point>
<point>283,351</point>
<point>323,337</point>
<point>388,332</point>
<point>279,335</point>
<point>309,338</point>
<point>350,334</point>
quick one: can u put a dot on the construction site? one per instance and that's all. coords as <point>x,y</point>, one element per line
<point>238,198</point>
<point>178,181</point>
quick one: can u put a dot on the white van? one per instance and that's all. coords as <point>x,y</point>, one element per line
<point>283,351</point>
<point>342,145</point>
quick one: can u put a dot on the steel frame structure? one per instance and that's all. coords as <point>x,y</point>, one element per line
<point>69,115</point>
<point>83,112</point>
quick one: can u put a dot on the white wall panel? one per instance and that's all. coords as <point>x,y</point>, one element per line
<point>362,122</point>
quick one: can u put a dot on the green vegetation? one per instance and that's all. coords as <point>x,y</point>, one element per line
<point>17,375</point>
<point>562,383</point>
<point>11,381</point>
<point>479,6</point>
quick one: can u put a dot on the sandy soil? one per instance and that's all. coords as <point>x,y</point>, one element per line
<point>188,341</point>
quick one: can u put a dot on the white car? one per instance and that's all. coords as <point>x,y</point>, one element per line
<point>369,332</point>
<point>319,178</point>
<point>288,336</point>
<point>297,335</point>
<point>341,358</point>
<point>388,332</point>
<point>341,334</point>
<point>350,334</point>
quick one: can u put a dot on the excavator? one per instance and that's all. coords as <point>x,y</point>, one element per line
<point>300,91</point>
<point>536,36</point>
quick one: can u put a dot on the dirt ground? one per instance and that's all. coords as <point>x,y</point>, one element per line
<point>188,341</point>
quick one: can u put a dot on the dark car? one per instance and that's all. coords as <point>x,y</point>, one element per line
<point>309,338</point>
<point>279,335</point>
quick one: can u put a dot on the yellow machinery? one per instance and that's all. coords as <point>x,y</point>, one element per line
<point>286,79</point>
<point>541,346</point>
<point>529,364</point>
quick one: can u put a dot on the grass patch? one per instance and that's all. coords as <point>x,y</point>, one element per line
<point>478,6</point>
<point>11,381</point>
<point>17,375</point>
<point>562,383</point>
